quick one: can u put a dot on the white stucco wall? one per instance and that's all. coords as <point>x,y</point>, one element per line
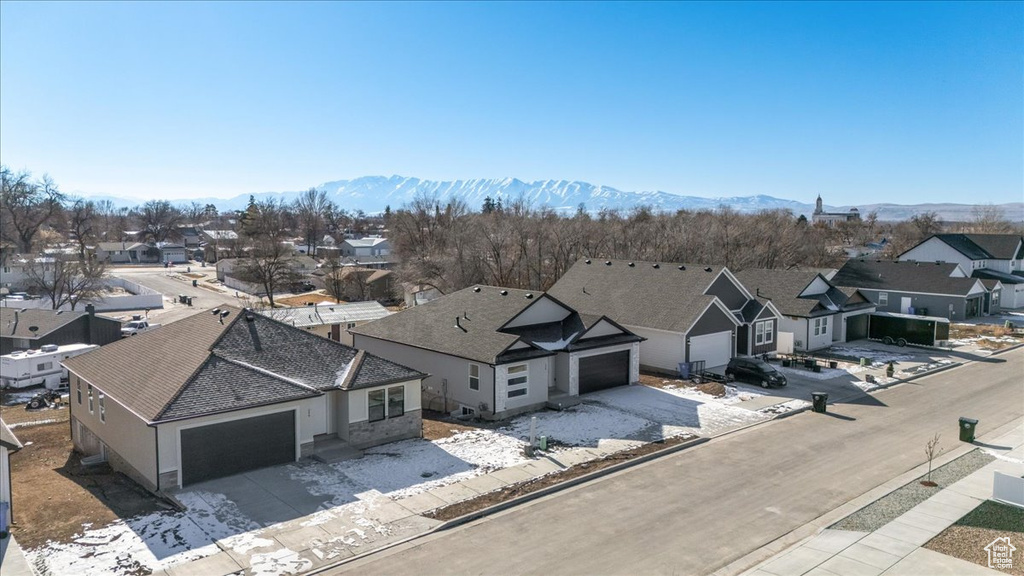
<point>933,250</point>
<point>539,372</point>
<point>662,349</point>
<point>602,328</point>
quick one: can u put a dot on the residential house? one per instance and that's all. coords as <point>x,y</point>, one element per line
<point>173,253</point>
<point>686,312</point>
<point>8,445</point>
<point>241,391</point>
<point>17,274</point>
<point>814,311</point>
<point>496,352</point>
<point>368,246</point>
<point>359,284</point>
<point>218,244</point>
<point>416,294</point>
<point>126,253</point>
<point>940,289</point>
<point>330,320</point>
<point>33,328</point>
<point>189,237</point>
<point>987,256</point>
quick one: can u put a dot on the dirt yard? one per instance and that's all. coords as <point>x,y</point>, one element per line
<point>437,425</point>
<point>12,408</point>
<point>715,389</point>
<point>989,336</point>
<point>54,495</point>
<point>304,299</point>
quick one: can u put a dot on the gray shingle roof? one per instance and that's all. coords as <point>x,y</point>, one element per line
<point>985,246</point>
<point>665,298</point>
<point>996,275</point>
<point>431,326</point>
<point>907,276</point>
<point>783,288</point>
<point>214,365</point>
<point>15,323</point>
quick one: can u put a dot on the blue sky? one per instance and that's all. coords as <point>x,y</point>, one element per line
<point>873,102</point>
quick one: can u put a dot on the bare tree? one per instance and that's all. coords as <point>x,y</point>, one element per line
<point>270,266</point>
<point>310,208</point>
<point>989,219</point>
<point>66,281</point>
<point>81,221</point>
<point>159,219</point>
<point>25,206</point>
<point>334,285</point>
<point>931,450</point>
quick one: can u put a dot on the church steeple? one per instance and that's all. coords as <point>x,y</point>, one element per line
<point>817,205</point>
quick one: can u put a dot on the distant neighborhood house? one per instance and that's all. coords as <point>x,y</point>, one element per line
<point>328,320</point>
<point>367,246</point>
<point>986,256</point>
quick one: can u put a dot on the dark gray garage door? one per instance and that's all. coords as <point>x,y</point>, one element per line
<point>237,446</point>
<point>604,371</point>
<point>856,327</point>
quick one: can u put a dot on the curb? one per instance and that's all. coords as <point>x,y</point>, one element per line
<point>801,533</point>
<point>502,506</point>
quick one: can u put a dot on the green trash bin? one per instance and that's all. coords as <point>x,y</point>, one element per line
<point>820,400</point>
<point>967,428</point>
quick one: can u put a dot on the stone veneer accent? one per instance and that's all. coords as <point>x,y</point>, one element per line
<point>366,434</point>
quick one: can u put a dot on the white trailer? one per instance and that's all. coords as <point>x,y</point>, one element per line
<point>31,367</point>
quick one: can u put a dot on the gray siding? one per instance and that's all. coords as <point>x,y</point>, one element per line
<point>727,292</point>
<point>713,320</point>
<point>104,331</point>
<point>951,307</point>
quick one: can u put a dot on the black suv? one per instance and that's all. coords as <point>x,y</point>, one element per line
<point>755,371</point>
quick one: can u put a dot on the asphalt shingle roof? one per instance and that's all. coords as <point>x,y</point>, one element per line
<point>665,298</point>
<point>907,276</point>
<point>985,246</point>
<point>431,326</point>
<point>15,323</point>
<point>996,275</point>
<point>218,367</point>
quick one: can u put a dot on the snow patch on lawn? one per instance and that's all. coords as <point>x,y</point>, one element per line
<point>825,374</point>
<point>588,424</point>
<point>878,357</point>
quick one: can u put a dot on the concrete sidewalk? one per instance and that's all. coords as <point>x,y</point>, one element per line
<point>896,548</point>
<point>12,560</point>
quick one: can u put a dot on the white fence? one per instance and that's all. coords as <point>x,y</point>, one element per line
<point>137,297</point>
<point>1008,489</point>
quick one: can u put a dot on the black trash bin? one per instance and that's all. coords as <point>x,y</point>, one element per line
<point>195,283</point>
<point>188,300</point>
<point>819,399</point>
<point>967,427</point>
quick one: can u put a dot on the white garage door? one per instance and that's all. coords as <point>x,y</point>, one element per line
<point>713,349</point>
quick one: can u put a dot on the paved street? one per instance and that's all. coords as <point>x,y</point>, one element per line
<point>164,281</point>
<point>703,508</point>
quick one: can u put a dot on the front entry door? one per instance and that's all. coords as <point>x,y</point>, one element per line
<point>905,304</point>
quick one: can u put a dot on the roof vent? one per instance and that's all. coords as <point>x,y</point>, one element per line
<point>458,324</point>
<point>476,289</point>
<point>707,268</point>
<point>215,311</point>
<point>503,292</point>
<point>529,295</point>
<point>33,329</point>
<point>607,262</point>
<point>59,312</point>
<point>631,265</point>
<point>655,266</point>
<point>587,261</point>
<point>681,267</point>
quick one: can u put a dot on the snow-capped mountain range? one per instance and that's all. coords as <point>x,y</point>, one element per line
<point>372,194</point>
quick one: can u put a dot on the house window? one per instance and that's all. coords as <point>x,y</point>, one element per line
<point>518,380</point>
<point>44,366</point>
<point>350,325</point>
<point>820,326</point>
<point>759,333</point>
<point>78,386</point>
<point>769,328</point>
<point>883,298</point>
<point>995,297</point>
<point>396,401</point>
<point>103,409</point>
<point>90,398</point>
<point>474,376</point>
<point>375,403</point>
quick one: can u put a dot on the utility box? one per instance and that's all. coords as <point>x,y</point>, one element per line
<point>967,428</point>
<point>819,399</point>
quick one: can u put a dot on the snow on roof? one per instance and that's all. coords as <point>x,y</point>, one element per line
<point>327,313</point>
